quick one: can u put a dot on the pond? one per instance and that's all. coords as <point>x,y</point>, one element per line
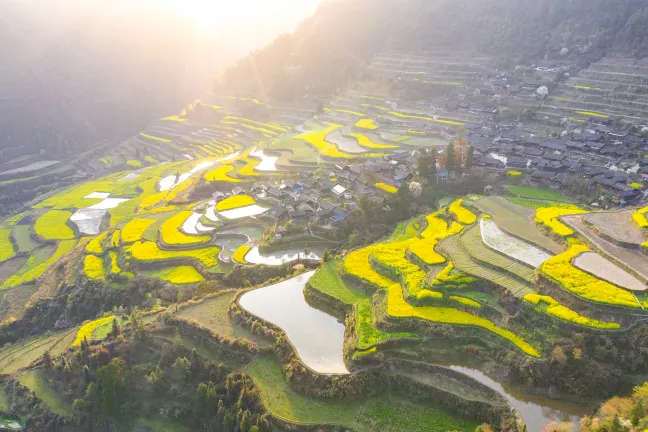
<point>88,220</point>
<point>242,212</point>
<point>268,163</point>
<point>229,244</point>
<point>317,337</point>
<point>281,257</point>
<point>511,246</point>
<point>602,268</point>
<point>536,411</point>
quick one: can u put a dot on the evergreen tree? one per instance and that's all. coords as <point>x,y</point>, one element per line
<point>86,374</point>
<point>449,158</point>
<point>47,360</point>
<point>115,328</point>
<point>469,157</point>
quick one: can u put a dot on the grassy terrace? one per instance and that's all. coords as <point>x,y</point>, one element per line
<point>536,193</point>
<point>52,225</point>
<point>171,234</point>
<point>38,263</point>
<point>150,252</point>
<point>517,221</point>
<point>36,381</point>
<point>180,275</point>
<point>462,261</point>
<point>387,412</point>
<point>213,314</point>
<point>472,241</point>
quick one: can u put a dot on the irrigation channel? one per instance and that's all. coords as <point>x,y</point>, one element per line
<point>318,339</point>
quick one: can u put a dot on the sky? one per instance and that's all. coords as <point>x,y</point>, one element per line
<point>253,16</point>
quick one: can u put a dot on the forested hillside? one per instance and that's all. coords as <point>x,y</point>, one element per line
<point>337,41</point>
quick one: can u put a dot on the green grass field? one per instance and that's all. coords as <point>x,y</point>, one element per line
<point>328,281</point>
<point>213,314</point>
<point>36,381</point>
<point>536,193</point>
<point>162,425</point>
<point>22,354</point>
<point>302,152</point>
<point>388,412</point>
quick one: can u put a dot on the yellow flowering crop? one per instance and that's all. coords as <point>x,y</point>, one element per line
<point>463,215</point>
<point>134,229</point>
<point>397,307</point>
<point>514,173</point>
<point>114,266</point>
<point>95,245</point>
<point>548,216</point>
<point>221,174</point>
<point>640,217</point>
<point>386,187</point>
<point>466,301</point>
<point>88,329</point>
<point>366,123</point>
<point>164,140</point>
<point>115,241</point>
<point>53,225</point>
<point>364,141</point>
<point>437,229</point>
<point>93,267</point>
<point>592,114</point>
<point>235,202</point>
<point>564,313</point>
<point>171,234</point>
<point>582,284</point>
<point>150,252</point>
<point>239,255</point>
<point>181,275</point>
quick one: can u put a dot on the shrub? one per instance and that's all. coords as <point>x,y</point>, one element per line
<point>52,225</point>
<point>386,187</point>
<point>239,255</point>
<point>93,267</point>
<point>171,234</point>
<point>235,202</point>
<point>95,245</point>
<point>548,216</point>
<point>87,330</point>
<point>564,313</point>
<point>576,281</point>
<point>463,215</point>
<point>134,229</point>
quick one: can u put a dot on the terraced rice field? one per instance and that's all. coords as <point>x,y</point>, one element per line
<point>21,355</point>
<point>506,244</point>
<point>517,221</point>
<point>472,241</point>
<point>602,268</point>
<point>631,259</point>
<point>388,412</point>
<point>617,225</point>
<point>213,314</point>
<point>453,247</point>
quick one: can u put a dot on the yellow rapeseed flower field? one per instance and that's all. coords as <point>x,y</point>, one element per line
<point>564,313</point>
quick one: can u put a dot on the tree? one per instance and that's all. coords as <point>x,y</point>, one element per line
<point>115,328</point>
<point>469,157</point>
<point>427,167</point>
<point>449,157</point>
<point>558,354</point>
<point>111,379</point>
<point>47,360</point>
<point>637,413</point>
